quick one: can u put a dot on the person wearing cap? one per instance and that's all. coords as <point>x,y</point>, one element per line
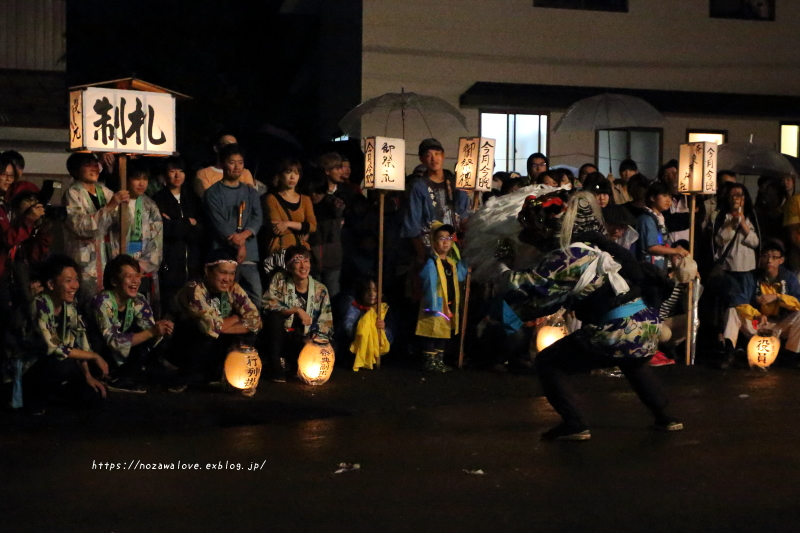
<point>91,235</point>
<point>296,308</point>
<point>439,318</point>
<point>770,295</point>
<point>215,314</point>
<point>432,198</point>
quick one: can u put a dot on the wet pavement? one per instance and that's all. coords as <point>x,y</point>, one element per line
<point>416,438</point>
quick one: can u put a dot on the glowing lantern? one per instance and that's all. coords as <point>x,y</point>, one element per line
<point>113,120</point>
<point>763,349</point>
<point>315,364</point>
<point>384,163</point>
<point>548,335</point>
<point>697,172</point>
<point>475,163</point>
<point>243,368</point>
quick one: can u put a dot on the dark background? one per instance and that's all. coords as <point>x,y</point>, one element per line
<point>245,65</point>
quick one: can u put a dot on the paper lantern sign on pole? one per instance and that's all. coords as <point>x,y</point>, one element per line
<point>762,350</point>
<point>243,368</point>
<point>113,120</point>
<point>385,164</point>
<point>475,163</point>
<point>697,171</point>
<point>315,363</point>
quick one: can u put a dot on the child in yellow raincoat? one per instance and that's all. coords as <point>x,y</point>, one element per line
<point>438,317</point>
<point>367,335</point>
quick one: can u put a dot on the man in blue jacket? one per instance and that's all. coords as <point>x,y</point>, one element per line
<point>234,216</point>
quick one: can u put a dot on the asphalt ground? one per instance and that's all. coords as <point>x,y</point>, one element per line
<point>419,440</point>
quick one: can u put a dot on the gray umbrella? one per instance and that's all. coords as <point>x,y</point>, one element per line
<point>402,102</point>
<point>753,159</point>
<point>609,111</point>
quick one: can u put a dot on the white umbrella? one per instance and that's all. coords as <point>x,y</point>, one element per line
<point>402,102</point>
<point>609,111</point>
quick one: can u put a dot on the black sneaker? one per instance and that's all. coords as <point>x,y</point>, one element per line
<point>668,424</point>
<point>564,432</point>
<point>126,385</point>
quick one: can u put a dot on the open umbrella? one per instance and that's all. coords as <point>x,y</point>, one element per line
<point>390,102</point>
<point>753,159</point>
<point>609,111</point>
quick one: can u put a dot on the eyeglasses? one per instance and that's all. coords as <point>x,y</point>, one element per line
<point>737,195</point>
<point>445,239</point>
<point>771,257</point>
<point>8,175</point>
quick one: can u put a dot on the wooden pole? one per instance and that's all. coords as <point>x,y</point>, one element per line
<point>124,218</point>
<point>690,311</point>
<point>382,199</point>
<point>464,320</point>
<point>475,203</point>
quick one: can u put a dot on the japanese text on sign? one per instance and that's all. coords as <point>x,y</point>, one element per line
<point>384,163</point>
<point>122,121</point>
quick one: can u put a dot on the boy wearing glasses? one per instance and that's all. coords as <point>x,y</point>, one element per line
<point>768,295</point>
<point>438,318</point>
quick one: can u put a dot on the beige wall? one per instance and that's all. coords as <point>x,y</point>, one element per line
<point>441,48</point>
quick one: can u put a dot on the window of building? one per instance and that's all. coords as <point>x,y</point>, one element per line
<point>708,136</point>
<point>592,5</point>
<point>743,9</point>
<point>643,145</point>
<point>518,136</point>
<point>790,137</point>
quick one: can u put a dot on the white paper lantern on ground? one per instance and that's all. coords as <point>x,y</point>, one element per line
<point>762,350</point>
<point>243,368</point>
<point>315,364</point>
<point>548,335</point>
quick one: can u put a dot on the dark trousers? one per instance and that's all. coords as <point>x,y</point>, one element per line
<point>574,354</point>
<point>49,377</point>
<point>200,355</point>
<point>276,343</point>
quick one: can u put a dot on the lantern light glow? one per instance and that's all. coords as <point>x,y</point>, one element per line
<point>548,335</point>
<point>243,368</point>
<point>762,350</point>
<point>385,163</point>
<point>315,363</point>
<point>475,165</point>
<point>697,171</point>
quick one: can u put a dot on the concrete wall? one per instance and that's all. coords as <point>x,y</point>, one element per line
<point>441,48</point>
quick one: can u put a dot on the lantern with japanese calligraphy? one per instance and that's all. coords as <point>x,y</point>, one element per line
<point>243,368</point>
<point>475,164</point>
<point>385,164</point>
<point>763,348</point>
<point>315,364</point>
<point>697,171</point>
<point>129,122</point>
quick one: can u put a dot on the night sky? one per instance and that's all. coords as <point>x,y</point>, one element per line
<point>243,63</point>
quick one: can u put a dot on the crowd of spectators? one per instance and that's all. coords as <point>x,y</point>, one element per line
<point>217,258</point>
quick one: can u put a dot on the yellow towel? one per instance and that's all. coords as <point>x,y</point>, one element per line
<point>369,343</point>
